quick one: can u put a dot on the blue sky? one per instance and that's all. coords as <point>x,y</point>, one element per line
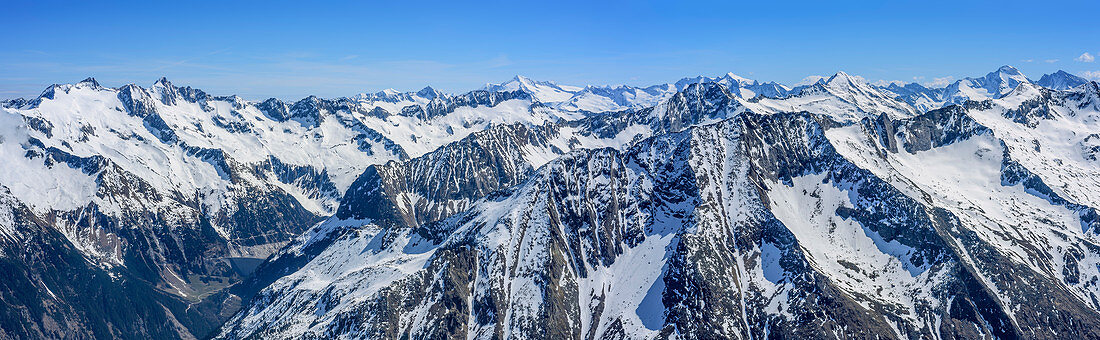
<point>293,49</point>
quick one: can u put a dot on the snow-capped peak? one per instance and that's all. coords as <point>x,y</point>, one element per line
<point>1024,90</point>
<point>429,93</point>
<point>1008,69</point>
<point>840,192</point>
<point>162,82</point>
<point>842,79</point>
<point>729,80</point>
<point>388,95</point>
<point>841,82</point>
<point>847,98</point>
<point>739,79</point>
<point>543,91</point>
<point>739,86</point>
<point>993,85</point>
<point>1007,76</point>
<point>524,81</point>
<point>89,82</point>
<point>1060,80</point>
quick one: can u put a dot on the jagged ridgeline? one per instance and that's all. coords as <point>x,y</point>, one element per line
<point>169,195</point>
<point>706,208</point>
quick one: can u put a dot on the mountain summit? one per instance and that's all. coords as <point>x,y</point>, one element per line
<point>710,207</point>
<point>1061,80</point>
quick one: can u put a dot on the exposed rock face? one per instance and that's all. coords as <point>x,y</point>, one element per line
<point>171,195</point>
<point>444,182</point>
<point>50,290</point>
<point>729,208</point>
<point>715,232</point>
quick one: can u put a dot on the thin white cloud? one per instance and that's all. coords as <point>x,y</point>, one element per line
<point>884,82</point>
<point>1085,58</point>
<point>1028,60</point>
<point>500,61</point>
<point>809,80</point>
<point>1091,75</point>
<point>939,81</point>
<point>1051,61</point>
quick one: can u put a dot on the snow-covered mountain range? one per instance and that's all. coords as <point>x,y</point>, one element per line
<point>704,208</point>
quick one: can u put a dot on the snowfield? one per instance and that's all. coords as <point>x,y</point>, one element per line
<point>710,207</point>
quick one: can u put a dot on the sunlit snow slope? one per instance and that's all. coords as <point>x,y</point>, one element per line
<point>709,207</point>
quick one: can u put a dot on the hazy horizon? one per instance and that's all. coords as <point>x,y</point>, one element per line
<point>261,50</point>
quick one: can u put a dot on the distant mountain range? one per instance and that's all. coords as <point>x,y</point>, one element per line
<point>716,207</point>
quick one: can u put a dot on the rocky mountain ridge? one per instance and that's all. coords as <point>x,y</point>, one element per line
<point>176,196</point>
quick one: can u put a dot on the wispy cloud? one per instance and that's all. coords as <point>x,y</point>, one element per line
<point>939,81</point>
<point>1085,58</point>
<point>883,82</point>
<point>1051,61</point>
<point>1027,60</point>
<point>500,61</point>
<point>809,80</point>
<point>190,61</point>
<point>1092,75</point>
<point>289,75</point>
